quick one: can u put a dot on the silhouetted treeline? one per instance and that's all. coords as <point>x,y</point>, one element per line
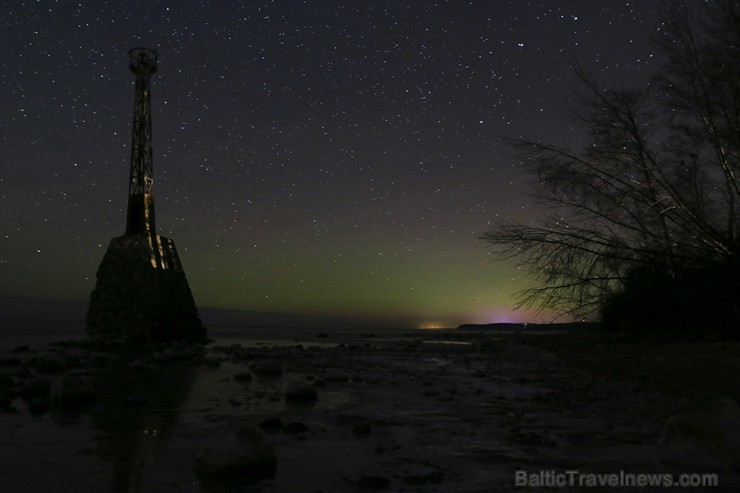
<point>643,223</point>
<point>701,300</point>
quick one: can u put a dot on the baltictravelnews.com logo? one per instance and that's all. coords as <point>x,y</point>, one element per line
<point>566,478</point>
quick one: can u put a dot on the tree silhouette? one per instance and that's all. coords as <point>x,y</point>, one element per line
<point>652,199</point>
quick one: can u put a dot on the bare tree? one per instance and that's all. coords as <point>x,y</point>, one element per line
<point>656,188</point>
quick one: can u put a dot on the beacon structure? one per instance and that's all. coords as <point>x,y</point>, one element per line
<point>141,291</point>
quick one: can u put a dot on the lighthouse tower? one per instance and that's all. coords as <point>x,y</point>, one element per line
<point>140,217</point>
<point>141,291</point>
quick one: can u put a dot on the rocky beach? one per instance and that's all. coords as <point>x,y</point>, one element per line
<point>312,410</point>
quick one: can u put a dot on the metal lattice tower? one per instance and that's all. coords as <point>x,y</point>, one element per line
<point>141,292</point>
<point>140,218</point>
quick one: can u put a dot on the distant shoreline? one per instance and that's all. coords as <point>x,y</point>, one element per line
<point>219,326</point>
<point>532,327</point>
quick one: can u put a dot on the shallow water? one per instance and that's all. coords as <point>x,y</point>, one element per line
<point>454,411</point>
<point>149,423</point>
<point>14,333</point>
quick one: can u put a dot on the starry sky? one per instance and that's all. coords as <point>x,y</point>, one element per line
<point>335,158</point>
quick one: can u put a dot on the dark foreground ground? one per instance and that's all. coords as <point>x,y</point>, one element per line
<point>447,411</point>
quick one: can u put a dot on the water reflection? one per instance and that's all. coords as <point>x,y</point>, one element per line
<point>136,413</point>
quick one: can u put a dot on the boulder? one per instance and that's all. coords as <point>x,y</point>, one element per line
<point>243,454</point>
<point>72,391</point>
<point>706,437</point>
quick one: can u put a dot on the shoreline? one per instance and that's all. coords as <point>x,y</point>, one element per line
<point>421,411</point>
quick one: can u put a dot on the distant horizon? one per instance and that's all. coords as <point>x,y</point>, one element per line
<point>17,307</point>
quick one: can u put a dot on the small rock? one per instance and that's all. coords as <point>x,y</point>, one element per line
<point>243,377</point>
<point>531,438</point>
<point>72,391</point>
<point>6,382</point>
<point>35,387</point>
<point>102,358</point>
<point>75,357</point>
<point>137,402</point>
<point>50,363</point>
<point>10,362</point>
<point>295,427</point>
<point>38,405</point>
<point>704,437</point>
<point>138,364</point>
<point>362,429</point>
<point>175,354</point>
<point>241,454</point>
<point>434,477</point>
<point>373,483</point>
<point>267,370</point>
<point>5,401</point>
<point>271,424</point>
<point>211,362</point>
<point>300,392</point>
<point>337,378</point>
<point>22,372</point>
<point>158,357</point>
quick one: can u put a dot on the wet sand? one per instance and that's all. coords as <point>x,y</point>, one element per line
<point>438,411</point>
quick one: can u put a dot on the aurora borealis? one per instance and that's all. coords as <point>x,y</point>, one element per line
<point>329,158</point>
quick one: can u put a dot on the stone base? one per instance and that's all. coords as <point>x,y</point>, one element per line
<point>142,293</point>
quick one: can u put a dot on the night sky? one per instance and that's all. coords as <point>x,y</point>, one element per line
<point>331,158</point>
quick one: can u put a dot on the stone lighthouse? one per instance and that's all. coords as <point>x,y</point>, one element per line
<point>141,291</point>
